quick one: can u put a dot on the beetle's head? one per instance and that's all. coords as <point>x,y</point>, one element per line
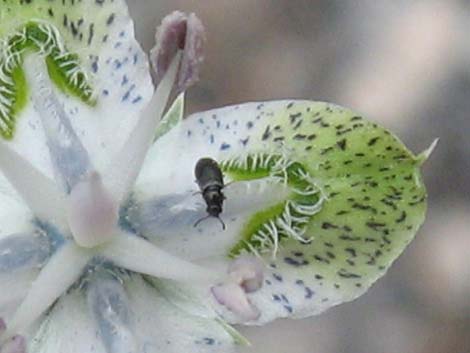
<point>214,209</point>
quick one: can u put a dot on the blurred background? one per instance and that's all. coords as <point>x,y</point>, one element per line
<point>404,64</point>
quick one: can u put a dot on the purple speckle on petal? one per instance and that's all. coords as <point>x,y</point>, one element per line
<point>224,146</point>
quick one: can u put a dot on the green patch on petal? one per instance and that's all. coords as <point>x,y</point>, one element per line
<point>266,229</point>
<point>13,98</point>
<point>63,66</point>
<point>66,74</point>
<point>254,226</point>
<point>21,86</point>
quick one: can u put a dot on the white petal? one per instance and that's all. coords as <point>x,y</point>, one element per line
<point>368,200</point>
<point>195,300</point>
<point>69,327</point>
<point>62,270</point>
<point>23,251</point>
<point>181,295</point>
<point>159,326</point>
<point>37,190</point>
<point>15,218</point>
<point>109,305</point>
<point>166,203</point>
<point>102,35</point>
<point>162,327</point>
<point>69,158</point>
<point>169,219</point>
<point>18,284</point>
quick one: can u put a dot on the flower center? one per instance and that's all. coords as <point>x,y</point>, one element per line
<point>92,213</point>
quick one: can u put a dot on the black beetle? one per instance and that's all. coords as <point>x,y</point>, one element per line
<point>210,180</point>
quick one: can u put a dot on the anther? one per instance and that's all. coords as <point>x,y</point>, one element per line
<point>16,344</point>
<point>245,275</point>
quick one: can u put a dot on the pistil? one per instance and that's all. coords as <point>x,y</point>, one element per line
<point>92,212</point>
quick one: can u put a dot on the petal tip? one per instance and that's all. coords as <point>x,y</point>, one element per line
<point>423,156</point>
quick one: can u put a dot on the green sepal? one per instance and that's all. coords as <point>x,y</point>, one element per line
<point>172,117</point>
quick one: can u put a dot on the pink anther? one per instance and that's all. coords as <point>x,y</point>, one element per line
<point>16,344</point>
<point>245,275</point>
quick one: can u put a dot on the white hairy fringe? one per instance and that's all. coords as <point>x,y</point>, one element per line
<point>286,225</point>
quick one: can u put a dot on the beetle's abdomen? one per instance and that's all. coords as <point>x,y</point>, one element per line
<point>208,173</point>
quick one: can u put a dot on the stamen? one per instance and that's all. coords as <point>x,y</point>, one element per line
<point>247,271</point>
<point>62,270</point>
<point>126,165</point>
<point>69,158</point>
<point>109,304</point>
<point>234,298</point>
<point>37,190</point>
<point>139,255</point>
<point>92,212</point>
<point>245,275</point>
<point>16,344</point>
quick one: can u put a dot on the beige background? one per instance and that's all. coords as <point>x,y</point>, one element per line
<point>404,64</point>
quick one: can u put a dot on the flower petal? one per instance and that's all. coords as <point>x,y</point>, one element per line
<point>15,218</point>
<point>18,284</point>
<point>354,198</point>
<point>23,250</point>
<point>108,303</point>
<point>92,58</point>
<point>69,158</point>
<point>55,278</point>
<point>157,324</point>
<point>69,327</point>
<point>193,299</point>
<point>163,327</point>
<point>38,192</point>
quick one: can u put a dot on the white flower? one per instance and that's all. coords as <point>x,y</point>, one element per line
<point>98,248</point>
